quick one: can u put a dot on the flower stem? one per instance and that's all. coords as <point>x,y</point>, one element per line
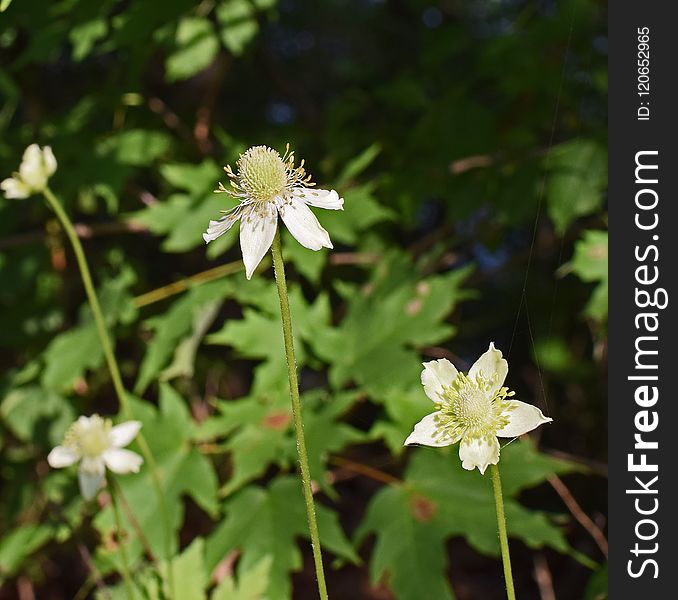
<point>112,363</point>
<point>279,266</point>
<point>127,578</point>
<point>503,537</point>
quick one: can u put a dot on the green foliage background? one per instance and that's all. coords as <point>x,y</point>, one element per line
<point>468,141</point>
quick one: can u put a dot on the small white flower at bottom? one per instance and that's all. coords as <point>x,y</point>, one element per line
<point>97,445</point>
<point>37,166</point>
<point>267,185</point>
<point>473,409</point>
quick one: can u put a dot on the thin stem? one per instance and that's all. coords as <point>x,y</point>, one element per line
<point>127,578</point>
<point>503,537</point>
<point>281,282</point>
<point>112,363</point>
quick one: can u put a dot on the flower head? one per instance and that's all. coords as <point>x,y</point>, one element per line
<point>37,165</point>
<point>96,444</point>
<point>267,185</point>
<point>473,409</point>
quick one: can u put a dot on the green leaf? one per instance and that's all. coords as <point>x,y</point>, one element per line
<point>589,263</point>
<point>170,433</point>
<point>439,500</point>
<point>409,554</point>
<point>176,323</point>
<point>188,569</point>
<point>260,433</point>
<point>577,181</point>
<point>238,24</point>
<point>356,166</point>
<point>33,413</point>
<point>196,46</point>
<point>20,543</point>
<point>136,147</point>
<point>72,352</point>
<point>85,35</point>
<point>251,585</point>
<point>197,179</point>
<point>262,522</point>
<point>361,212</point>
<point>375,344</point>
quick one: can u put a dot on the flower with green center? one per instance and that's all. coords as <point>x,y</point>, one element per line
<point>97,445</point>
<point>473,409</point>
<point>37,166</point>
<point>267,185</point>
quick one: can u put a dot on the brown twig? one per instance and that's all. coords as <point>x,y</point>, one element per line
<point>582,518</point>
<point>94,572</point>
<point>542,575</point>
<point>366,470</point>
<point>83,231</point>
<point>182,285</point>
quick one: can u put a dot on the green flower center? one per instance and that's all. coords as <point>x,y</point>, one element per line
<point>471,410</point>
<point>262,174</point>
<point>91,439</point>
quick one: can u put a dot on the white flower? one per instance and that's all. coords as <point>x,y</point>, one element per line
<point>268,185</point>
<point>473,409</point>
<point>96,444</point>
<point>36,168</point>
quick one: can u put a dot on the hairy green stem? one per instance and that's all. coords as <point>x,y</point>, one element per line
<point>279,266</point>
<point>503,537</point>
<point>112,363</point>
<point>126,573</point>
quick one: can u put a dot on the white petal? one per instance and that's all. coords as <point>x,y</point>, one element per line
<point>93,465</point>
<point>321,198</point>
<point>523,417</point>
<point>427,433</point>
<point>62,456</point>
<point>90,483</point>
<point>492,366</point>
<point>49,159</point>
<point>479,452</point>
<point>15,188</point>
<point>32,169</point>
<point>219,227</point>
<point>436,374</point>
<point>257,230</point>
<point>123,434</point>
<point>304,226</point>
<point>122,461</point>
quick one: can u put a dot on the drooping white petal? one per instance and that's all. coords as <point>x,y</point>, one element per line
<point>492,367</point>
<point>62,456</point>
<point>328,199</point>
<point>479,452</point>
<point>122,461</point>
<point>304,226</point>
<point>523,417</point>
<point>15,188</point>
<point>436,374</point>
<point>427,433</point>
<point>257,230</point>
<point>49,160</point>
<point>89,483</point>
<point>123,434</point>
<point>220,226</point>
<point>93,464</point>
<point>32,169</point>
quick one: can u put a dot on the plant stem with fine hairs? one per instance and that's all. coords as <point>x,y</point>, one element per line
<point>112,363</point>
<point>503,537</point>
<point>279,266</point>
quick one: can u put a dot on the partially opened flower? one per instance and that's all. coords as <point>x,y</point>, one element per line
<point>97,445</point>
<point>267,185</point>
<point>37,166</point>
<point>473,409</point>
